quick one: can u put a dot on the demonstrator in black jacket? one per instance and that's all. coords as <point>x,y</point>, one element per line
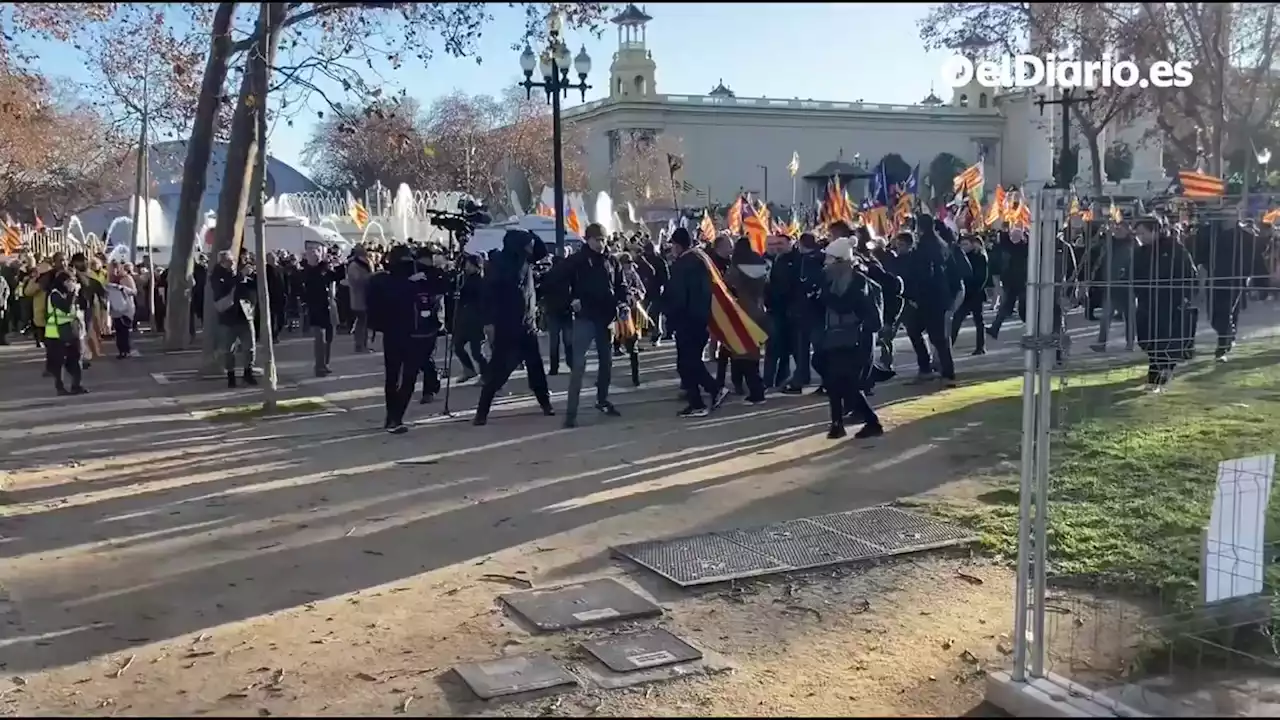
<point>400,307</point>
<point>510,310</point>
<point>687,303</point>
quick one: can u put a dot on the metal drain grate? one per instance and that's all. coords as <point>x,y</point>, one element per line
<point>700,559</point>
<point>894,530</point>
<point>793,545</point>
<point>802,544</point>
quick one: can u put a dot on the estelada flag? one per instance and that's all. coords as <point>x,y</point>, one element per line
<point>573,223</point>
<point>730,324</point>
<point>754,226</point>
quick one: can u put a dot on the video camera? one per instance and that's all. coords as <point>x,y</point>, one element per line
<point>462,223</point>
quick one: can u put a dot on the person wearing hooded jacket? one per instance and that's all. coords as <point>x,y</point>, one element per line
<point>511,312</point>
<point>595,292</point>
<point>851,318</point>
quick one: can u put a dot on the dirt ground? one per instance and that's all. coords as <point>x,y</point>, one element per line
<point>157,563</point>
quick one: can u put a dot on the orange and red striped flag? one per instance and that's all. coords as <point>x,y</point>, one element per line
<point>1200,185</point>
<point>10,236</point>
<point>733,217</point>
<point>730,324</point>
<point>544,210</point>
<point>573,223</point>
<point>1271,216</point>
<point>706,228</point>
<point>754,225</point>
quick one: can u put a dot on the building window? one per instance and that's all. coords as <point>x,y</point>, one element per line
<point>982,100</point>
<point>619,86</point>
<point>964,101</point>
<point>640,85</point>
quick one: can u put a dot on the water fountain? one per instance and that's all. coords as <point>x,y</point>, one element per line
<point>73,224</point>
<point>110,236</point>
<point>330,222</point>
<point>91,240</point>
<point>604,212</point>
<point>403,204</point>
<point>364,236</point>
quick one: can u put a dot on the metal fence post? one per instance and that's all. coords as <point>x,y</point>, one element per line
<point>1049,344</point>
<point>1030,356</point>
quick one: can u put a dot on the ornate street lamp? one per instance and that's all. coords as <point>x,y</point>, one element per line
<point>553,64</point>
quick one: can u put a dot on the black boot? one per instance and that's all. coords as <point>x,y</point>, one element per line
<point>249,379</point>
<point>231,379</point>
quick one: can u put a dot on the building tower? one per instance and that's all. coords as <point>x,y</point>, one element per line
<point>631,76</point>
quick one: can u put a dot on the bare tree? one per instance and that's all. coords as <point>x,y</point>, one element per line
<point>641,171</point>
<point>1089,30</point>
<point>1236,93</point>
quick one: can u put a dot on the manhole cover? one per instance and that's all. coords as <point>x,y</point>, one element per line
<point>514,675</point>
<point>700,559</point>
<point>628,652</point>
<point>894,530</point>
<point>580,605</point>
<point>802,544</point>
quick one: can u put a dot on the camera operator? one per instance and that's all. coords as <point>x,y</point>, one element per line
<point>511,315</point>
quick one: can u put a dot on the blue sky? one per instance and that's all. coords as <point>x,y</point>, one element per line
<point>823,51</point>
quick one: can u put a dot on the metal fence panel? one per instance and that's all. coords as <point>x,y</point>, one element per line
<point>1145,562</point>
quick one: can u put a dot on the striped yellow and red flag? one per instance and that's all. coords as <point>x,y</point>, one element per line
<point>573,223</point>
<point>755,226</point>
<point>793,230</point>
<point>1200,185</point>
<point>969,181</point>
<point>544,210</point>
<point>1271,216</point>
<point>730,324</point>
<point>733,216</point>
<point>706,228</point>
<point>10,236</point>
<point>355,209</point>
<point>1114,212</point>
<point>997,209</point>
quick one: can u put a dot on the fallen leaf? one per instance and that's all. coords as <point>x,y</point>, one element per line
<point>971,579</point>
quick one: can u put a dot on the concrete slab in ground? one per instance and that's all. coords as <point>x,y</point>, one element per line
<point>628,652</point>
<point>517,675</point>
<point>579,605</point>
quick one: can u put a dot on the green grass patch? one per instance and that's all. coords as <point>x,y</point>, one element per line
<point>1132,475</point>
<point>254,411</point>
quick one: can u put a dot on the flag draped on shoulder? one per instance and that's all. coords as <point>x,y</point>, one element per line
<point>730,324</point>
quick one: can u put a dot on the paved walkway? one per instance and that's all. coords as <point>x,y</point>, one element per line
<point>132,528</point>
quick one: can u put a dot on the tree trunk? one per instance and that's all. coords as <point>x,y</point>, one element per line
<point>233,201</point>
<point>1095,161</point>
<point>275,13</point>
<point>194,172</point>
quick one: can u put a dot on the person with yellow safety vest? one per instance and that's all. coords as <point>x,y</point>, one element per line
<point>64,332</point>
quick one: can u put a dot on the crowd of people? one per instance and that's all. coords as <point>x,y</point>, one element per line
<point>830,305</point>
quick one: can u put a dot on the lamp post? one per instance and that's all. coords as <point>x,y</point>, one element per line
<point>553,64</point>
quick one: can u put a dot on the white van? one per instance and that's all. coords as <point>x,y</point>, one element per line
<point>490,237</point>
<point>293,235</point>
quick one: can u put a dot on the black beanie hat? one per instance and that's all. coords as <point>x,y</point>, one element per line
<point>682,238</point>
